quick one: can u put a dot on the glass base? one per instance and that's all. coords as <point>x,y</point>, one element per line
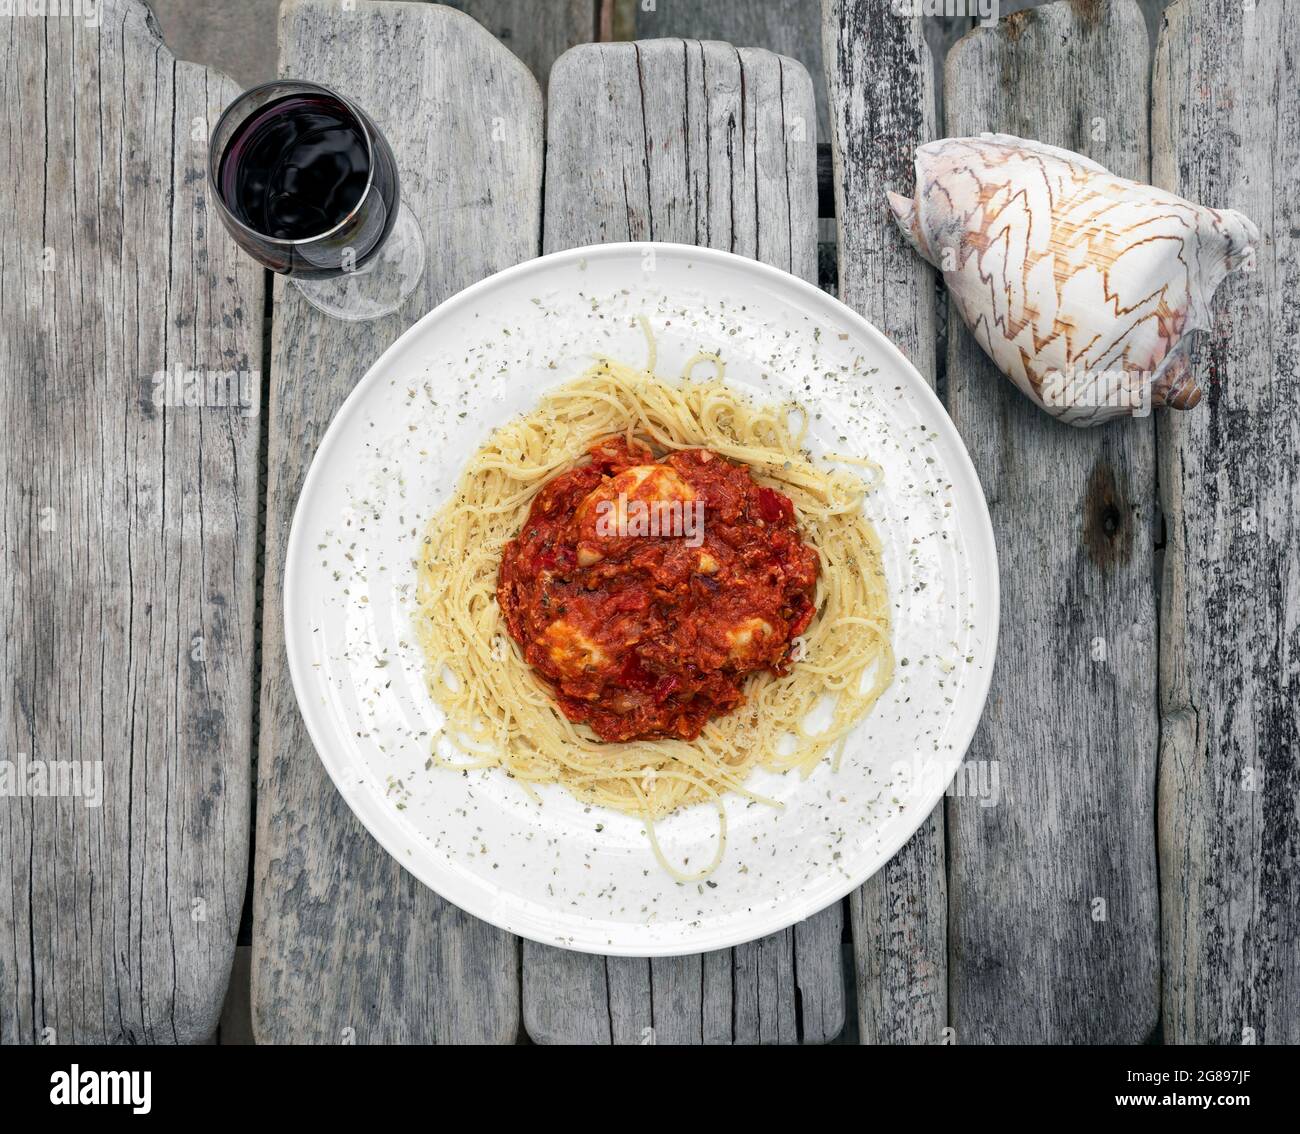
<point>383,285</point>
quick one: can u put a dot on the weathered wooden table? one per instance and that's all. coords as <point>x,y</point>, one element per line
<point>1138,877</point>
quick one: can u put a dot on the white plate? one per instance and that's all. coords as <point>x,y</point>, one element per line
<point>562,873</point>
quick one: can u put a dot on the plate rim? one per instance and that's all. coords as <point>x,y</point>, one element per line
<point>477,901</point>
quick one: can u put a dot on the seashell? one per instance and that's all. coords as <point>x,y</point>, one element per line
<point>1082,286</point>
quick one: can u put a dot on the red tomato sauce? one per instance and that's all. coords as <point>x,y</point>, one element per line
<point>645,591</point>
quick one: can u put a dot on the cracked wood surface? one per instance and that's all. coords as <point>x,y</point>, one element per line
<point>697,143</point>
<point>1226,132</point>
<point>129,538</point>
<point>1053,910</point>
<point>346,944</point>
<point>789,27</point>
<point>882,107</point>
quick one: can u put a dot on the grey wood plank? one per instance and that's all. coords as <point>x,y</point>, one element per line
<point>630,1013</point>
<point>881,85</point>
<point>636,151</point>
<point>787,27</point>
<point>538,31</point>
<point>129,537</point>
<point>1226,132</point>
<point>346,944</point>
<point>899,922</point>
<point>677,998</point>
<point>1033,955</point>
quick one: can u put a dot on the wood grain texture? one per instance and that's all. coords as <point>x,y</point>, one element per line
<point>697,143</point>
<point>538,31</point>
<point>881,87</point>
<point>1226,132</point>
<point>787,27</point>
<point>677,140</point>
<point>347,946</point>
<point>1151,13</point>
<point>1034,955</point>
<point>129,537</point>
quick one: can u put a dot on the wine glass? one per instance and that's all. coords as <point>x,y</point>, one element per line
<point>308,186</point>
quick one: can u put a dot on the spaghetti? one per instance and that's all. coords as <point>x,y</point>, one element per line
<point>500,713</point>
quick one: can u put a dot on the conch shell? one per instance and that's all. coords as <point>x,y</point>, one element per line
<point>1081,286</point>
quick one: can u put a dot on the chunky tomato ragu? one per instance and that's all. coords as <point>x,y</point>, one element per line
<point>643,636</point>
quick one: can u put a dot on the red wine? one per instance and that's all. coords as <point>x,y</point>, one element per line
<point>300,169</point>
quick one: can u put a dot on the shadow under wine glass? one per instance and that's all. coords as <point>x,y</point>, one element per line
<point>307,185</point>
